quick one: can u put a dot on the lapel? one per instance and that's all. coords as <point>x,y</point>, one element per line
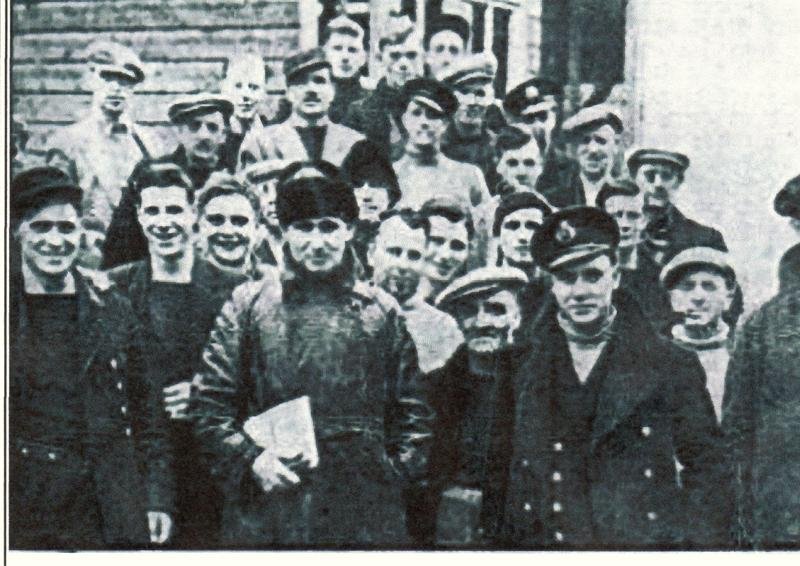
<point>289,143</point>
<point>94,334</point>
<point>629,378</point>
<point>335,144</point>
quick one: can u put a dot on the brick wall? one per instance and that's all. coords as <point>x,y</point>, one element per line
<point>184,44</point>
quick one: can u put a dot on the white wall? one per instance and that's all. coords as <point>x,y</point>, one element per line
<point>720,80</point>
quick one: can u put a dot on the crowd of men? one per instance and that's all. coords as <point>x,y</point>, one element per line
<point>509,334</point>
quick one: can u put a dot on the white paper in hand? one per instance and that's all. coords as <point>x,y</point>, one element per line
<point>287,430</point>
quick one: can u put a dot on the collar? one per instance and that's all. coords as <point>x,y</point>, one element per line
<point>631,262</point>
<point>423,156</point>
<point>719,339</point>
<point>299,122</point>
<point>578,337</point>
<point>123,126</point>
<point>182,275</point>
<point>34,286</point>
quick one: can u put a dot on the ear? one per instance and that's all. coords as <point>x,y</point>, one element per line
<point>350,232</point>
<point>729,296</point>
<point>616,276</point>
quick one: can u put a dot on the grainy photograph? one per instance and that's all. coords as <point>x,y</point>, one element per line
<point>436,275</point>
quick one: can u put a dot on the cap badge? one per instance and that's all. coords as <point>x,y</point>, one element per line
<point>565,232</point>
<point>531,92</point>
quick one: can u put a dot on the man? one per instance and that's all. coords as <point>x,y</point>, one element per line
<point>177,293</point>
<point>787,204</point>
<point>516,220</point>
<point>202,122</point>
<point>339,342</point>
<point>701,285</point>
<point>535,106</point>
<point>375,115</point>
<point>761,424</point>
<point>262,178</point>
<point>398,260</point>
<point>106,145</point>
<point>659,174</point>
<point>245,85</point>
<point>593,133</point>
<point>424,171</point>
<point>88,461</point>
<point>474,407</point>
<point>519,162</point>
<point>603,408</point>
<point>343,42</point>
<point>467,138</point>
<point>308,134</point>
<point>445,42</point>
<point>639,274</point>
<point>450,238</point>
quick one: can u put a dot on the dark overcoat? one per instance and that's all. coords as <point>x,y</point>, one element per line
<point>125,451</point>
<point>652,408</point>
<point>761,421</point>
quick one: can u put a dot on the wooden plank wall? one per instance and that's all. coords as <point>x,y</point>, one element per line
<point>184,44</point>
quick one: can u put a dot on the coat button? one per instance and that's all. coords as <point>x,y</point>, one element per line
<point>119,385</point>
<point>127,431</point>
<point>526,506</point>
<point>24,451</point>
<point>652,516</point>
<point>648,473</point>
<point>558,447</point>
<point>123,410</point>
<point>51,455</point>
<point>556,477</point>
<point>113,363</point>
<point>557,507</point>
<point>646,430</point>
<point>559,536</point>
<point>524,463</point>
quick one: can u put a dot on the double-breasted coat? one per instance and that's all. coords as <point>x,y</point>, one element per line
<point>651,409</point>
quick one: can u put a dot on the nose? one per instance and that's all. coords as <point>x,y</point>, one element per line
<point>226,228</point>
<point>54,238</point>
<point>581,288</point>
<point>482,319</point>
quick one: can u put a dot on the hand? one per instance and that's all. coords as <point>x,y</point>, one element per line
<point>176,399</point>
<point>160,525</point>
<point>272,473</point>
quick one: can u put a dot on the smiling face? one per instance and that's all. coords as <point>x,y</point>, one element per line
<point>372,201</point>
<point>346,55</point>
<point>244,85</point>
<point>50,240</point>
<point>311,94</point>
<point>628,213</point>
<point>398,258</point>
<point>424,125</point>
<point>447,249</point>
<point>228,228</point>
<point>595,149</point>
<point>167,219</point>
<point>488,321</point>
<point>202,135</point>
<point>111,91</point>
<point>521,167</point>
<point>318,244</point>
<point>403,61</point>
<point>444,49</point>
<point>701,296</point>
<point>516,233</point>
<point>583,291</point>
<point>659,182</point>
<point>473,100</point>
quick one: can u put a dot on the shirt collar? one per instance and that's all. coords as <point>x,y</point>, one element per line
<point>33,285</point>
<point>297,121</point>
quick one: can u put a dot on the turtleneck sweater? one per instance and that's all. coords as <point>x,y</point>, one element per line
<point>585,349</point>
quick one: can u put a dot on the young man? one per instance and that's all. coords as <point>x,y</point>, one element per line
<point>177,293</point>
<point>445,43</point>
<point>639,274</point>
<point>106,145</point>
<point>659,174</point>
<point>400,54</point>
<point>593,133</point>
<point>397,258</point>
<point>604,406</point>
<point>245,85</point>
<point>516,220</point>
<point>202,122</point>
<point>89,461</point>
<point>423,171</point>
<point>315,332</point>
<point>473,401</point>
<point>308,134</point>
<point>262,178</point>
<point>519,162</point>
<point>343,42</point>
<point>701,284</point>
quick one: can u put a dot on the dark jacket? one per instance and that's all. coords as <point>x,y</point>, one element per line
<point>680,233</point>
<point>125,447</point>
<point>561,181</point>
<point>342,343</point>
<point>373,115</point>
<point>347,92</point>
<point>477,151</point>
<point>651,408</point>
<point>761,421</point>
<point>125,242</point>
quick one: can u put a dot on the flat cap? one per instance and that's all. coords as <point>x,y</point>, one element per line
<point>479,281</point>
<point>787,201</point>
<point>530,93</point>
<point>304,62</point>
<point>593,117</point>
<point>573,234</point>
<point>616,188</point>
<point>40,185</point>
<point>696,257</point>
<point>265,170</point>
<point>478,67</point>
<point>430,93</point>
<point>344,24</point>
<point>200,103</point>
<point>651,155</point>
<point>115,59</point>
<point>449,22</point>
